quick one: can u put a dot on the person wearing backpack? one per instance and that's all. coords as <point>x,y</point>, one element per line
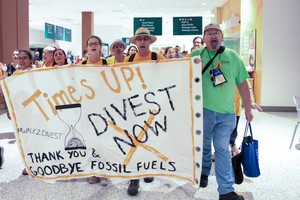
<point>142,39</point>
<point>94,45</point>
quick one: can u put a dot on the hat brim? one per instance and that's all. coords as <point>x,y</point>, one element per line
<point>118,42</point>
<point>133,38</point>
<point>213,28</point>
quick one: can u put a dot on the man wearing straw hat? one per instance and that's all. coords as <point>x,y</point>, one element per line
<point>142,39</point>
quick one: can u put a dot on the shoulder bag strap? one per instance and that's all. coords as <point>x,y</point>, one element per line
<point>220,50</point>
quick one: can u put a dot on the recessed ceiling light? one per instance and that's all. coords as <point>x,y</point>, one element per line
<point>204,4</point>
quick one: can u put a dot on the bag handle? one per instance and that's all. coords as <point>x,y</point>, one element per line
<point>248,138</point>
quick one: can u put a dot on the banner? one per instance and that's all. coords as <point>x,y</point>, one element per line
<point>130,120</point>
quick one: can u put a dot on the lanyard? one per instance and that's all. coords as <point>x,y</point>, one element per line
<point>213,57</point>
<point>220,50</point>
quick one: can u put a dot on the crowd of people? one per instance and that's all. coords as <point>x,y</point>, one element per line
<point>220,118</point>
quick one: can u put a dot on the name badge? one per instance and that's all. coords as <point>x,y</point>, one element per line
<point>217,77</point>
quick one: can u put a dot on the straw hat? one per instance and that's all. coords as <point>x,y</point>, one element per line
<point>142,32</point>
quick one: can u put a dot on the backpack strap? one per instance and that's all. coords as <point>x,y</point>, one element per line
<point>220,50</point>
<point>131,58</point>
<point>103,61</point>
<point>153,56</point>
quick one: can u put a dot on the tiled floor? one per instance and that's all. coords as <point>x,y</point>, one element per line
<point>279,180</point>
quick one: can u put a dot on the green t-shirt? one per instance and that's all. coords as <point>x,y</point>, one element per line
<point>221,98</point>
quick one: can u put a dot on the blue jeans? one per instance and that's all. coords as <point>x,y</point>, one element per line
<point>217,127</point>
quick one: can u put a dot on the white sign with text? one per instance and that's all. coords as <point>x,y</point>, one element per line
<point>129,120</point>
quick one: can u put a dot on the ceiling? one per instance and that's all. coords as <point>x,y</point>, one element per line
<point>67,13</point>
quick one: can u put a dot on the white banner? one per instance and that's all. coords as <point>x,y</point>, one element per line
<point>124,121</point>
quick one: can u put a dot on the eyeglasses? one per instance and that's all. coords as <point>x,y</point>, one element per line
<point>143,38</point>
<point>23,58</point>
<point>213,34</point>
<point>197,42</point>
<point>93,44</point>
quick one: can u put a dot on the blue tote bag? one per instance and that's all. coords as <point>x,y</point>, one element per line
<point>250,154</point>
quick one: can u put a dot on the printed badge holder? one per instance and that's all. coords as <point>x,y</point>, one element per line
<point>217,76</point>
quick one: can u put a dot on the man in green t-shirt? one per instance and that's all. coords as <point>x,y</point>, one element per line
<point>219,83</point>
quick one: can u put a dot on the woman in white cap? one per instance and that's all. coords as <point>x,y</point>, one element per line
<point>118,47</point>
